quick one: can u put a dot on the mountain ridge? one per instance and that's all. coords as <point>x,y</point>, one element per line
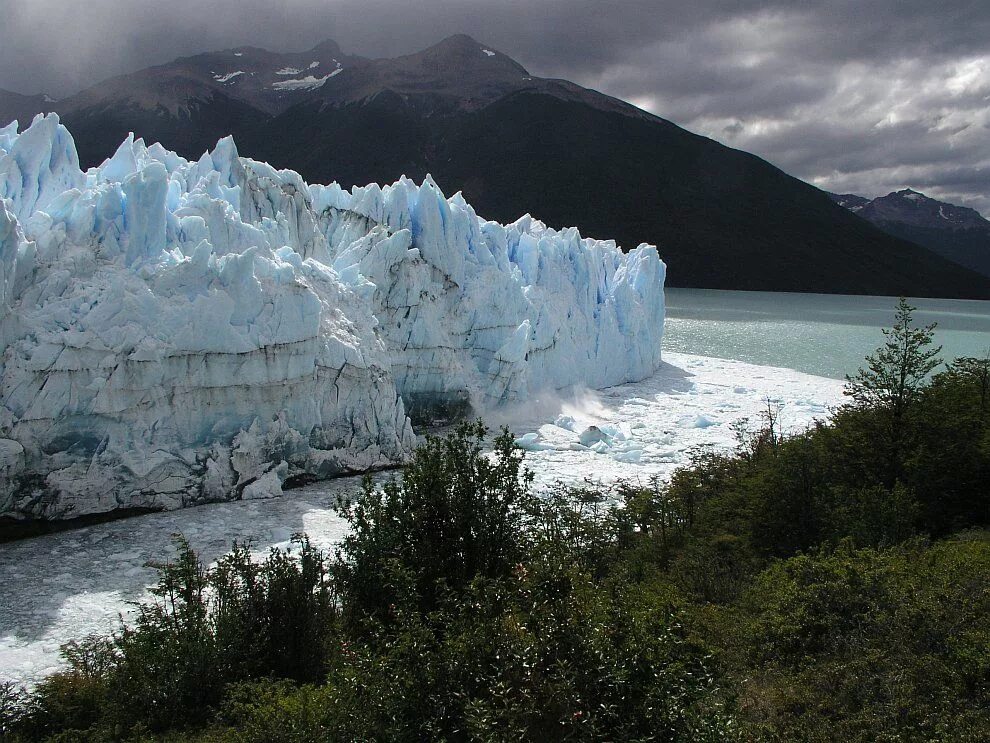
<point>515,143</point>
<point>958,233</point>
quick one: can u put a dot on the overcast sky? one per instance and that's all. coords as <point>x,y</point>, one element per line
<point>863,96</point>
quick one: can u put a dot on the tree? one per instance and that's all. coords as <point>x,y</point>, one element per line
<point>455,515</point>
<point>896,372</point>
<point>893,379</point>
<point>975,373</point>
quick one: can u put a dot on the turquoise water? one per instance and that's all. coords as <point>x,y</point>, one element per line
<point>824,334</point>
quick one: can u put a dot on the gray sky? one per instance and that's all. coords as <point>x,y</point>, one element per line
<point>864,96</point>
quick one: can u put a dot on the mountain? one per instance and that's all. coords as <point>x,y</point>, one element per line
<point>958,233</point>
<point>192,102</point>
<point>22,108</point>
<point>515,143</point>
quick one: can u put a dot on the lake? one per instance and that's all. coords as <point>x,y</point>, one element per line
<point>824,334</point>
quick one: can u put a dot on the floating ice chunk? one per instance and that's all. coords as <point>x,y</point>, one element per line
<point>268,485</point>
<point>528,442</point>
<point>566,422</point>
<point>594,435</point>
<point>631,456</point>
<point>620,432</point>
<point>699,421</point>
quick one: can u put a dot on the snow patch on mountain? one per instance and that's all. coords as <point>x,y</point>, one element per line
<point>227,77</point>
<point>309,82</point>
<point>174,332</point>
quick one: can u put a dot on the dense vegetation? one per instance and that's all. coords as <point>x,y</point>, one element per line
<point>833,585</point>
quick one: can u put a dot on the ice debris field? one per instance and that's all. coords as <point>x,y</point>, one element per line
<point>63,586</point>
<point>177,332</point>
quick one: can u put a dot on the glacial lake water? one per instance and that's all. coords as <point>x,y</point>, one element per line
<point>823,334</point>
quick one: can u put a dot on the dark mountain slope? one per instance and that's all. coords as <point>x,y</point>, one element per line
<point>722,218</point>
<point>190,131</point>
<point>22,108</point>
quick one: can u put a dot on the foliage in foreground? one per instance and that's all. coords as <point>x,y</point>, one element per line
<point>829,586</point>
<point>461,607</point>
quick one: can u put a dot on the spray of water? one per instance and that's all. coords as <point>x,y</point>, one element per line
<point>584,405</point>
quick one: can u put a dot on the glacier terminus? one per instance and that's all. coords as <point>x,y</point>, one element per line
<point>177,332</point>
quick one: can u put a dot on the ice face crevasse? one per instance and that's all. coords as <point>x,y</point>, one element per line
<point>175,332</point>
<point>159,350</point>
<point>476,312</point>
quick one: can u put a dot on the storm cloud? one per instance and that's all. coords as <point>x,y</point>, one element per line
<point>863,97</point>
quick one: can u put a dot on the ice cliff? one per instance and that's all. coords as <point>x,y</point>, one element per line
<point>176,332</point>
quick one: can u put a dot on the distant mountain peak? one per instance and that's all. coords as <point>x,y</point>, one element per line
<point>457,41</point>
<point>910,194</point>
<point>327,46</point>
<point>461,54</point>
<point>956,232</point>
<point>461,44</point>
<point>909,205</point>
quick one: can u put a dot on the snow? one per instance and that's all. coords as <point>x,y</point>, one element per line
<point>238,54</point>
<point>63,586</point>
<point>314,65</point>
<point>228,77</point>
<point>288,71</point>
<point>178,332</point>
<point>305,83</point>
<point>488,52</point>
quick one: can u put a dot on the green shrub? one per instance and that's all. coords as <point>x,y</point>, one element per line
<point>454,516</point>
<point>867,644</point>
<point>205,629</point>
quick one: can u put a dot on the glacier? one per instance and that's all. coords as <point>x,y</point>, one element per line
<point>175,332</point>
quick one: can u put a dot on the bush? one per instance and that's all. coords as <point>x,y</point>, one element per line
<point>206,628</point>
<point>456,515</point>
<point>461,606</point>
<point>866,645</point>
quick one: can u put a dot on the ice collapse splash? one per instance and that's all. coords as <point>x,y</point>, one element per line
<point>176,332</point>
